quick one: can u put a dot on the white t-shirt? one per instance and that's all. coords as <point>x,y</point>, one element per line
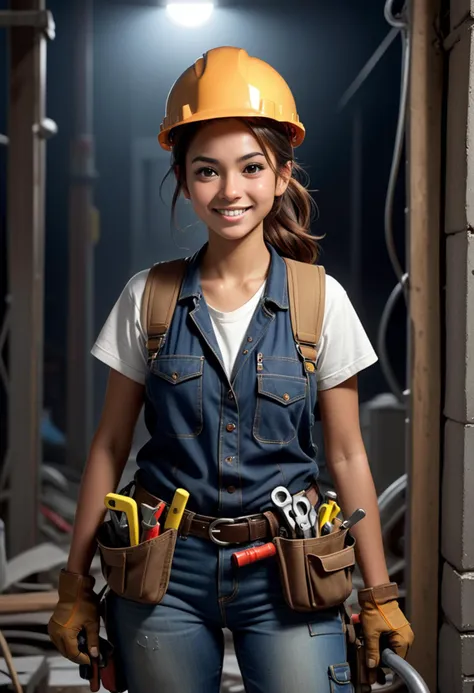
<point>344,348</point>
<point>230,328</point>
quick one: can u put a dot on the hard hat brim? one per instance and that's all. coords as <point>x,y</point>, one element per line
<point>297,127</point>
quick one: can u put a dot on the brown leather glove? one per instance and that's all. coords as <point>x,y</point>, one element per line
<point>381,615</point>
<point>77,609</point>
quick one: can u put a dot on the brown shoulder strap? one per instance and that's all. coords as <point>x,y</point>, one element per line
<point>307,293</point>
<point>159,301</point>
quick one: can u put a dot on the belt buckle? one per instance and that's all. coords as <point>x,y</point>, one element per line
<point>230,521</point>
<point>212,529</point>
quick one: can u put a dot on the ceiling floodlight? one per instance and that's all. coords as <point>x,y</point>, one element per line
<point>189,14</point>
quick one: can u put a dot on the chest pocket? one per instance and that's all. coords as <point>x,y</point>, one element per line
<point>175,386</point>
<point>280,404</point>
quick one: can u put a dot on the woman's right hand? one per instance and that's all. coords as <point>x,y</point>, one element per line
<point>76,610</point>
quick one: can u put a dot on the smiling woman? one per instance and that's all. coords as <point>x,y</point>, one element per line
<point>230,391</point>
<point>254,187</point>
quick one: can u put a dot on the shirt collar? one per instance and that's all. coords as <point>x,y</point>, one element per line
<point>276,291</point>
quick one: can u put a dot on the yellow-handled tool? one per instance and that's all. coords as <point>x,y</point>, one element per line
<point>329,510</point>
<point>127,505</point>
<point>176,509</point>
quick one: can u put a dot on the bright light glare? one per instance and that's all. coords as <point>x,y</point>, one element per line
<point>189,14</point>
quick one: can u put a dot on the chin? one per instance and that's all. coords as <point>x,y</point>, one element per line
<point>233,231</point>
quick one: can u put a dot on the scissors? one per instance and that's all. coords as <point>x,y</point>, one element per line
<point>296,510</point>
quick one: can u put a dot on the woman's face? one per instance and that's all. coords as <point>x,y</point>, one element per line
<point>228,179</point>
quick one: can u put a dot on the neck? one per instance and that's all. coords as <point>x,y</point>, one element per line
<point>241,260</point>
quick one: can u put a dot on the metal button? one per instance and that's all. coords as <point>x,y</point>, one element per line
<point>309,366</point>
<point>259,367</point>
<point>231,489</point>
<point>231,427</point>
<point>229,459</point>
<point>286,396</point>
<point>249,339</point>
<point>245,351</point>
<point>175,376</point>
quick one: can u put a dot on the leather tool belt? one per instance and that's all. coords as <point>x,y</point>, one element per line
<point>223,531</point>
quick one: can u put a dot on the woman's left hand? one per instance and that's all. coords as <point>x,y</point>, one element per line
<point>381,616</point>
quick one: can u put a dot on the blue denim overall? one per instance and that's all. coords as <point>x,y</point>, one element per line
<point>229,443</point>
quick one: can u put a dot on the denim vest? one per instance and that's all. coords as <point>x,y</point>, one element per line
<point>229,443</point>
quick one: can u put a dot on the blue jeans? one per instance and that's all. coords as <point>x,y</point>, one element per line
<point>177,646</point>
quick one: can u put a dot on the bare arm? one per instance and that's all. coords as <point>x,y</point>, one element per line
<point>350,471</point>
<point>107,458</point>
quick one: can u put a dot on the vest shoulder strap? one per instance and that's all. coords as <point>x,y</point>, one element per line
<point>161,292</point>
<point>307,294</point>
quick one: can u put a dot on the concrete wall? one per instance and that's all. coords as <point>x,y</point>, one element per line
<point>456,643</point>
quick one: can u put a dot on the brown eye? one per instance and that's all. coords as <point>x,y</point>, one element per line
<point>206,172</point>
<point>253,168</point>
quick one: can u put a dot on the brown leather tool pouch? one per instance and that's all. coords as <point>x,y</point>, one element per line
<point>316,573</point>
<point>142,572</point>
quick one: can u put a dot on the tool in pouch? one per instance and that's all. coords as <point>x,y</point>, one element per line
<point>151,526</point>
<point>328,511</point>
<point>140,571</point>
<point>128,506</point>
<point>315,570</point>
<point>299,518</point>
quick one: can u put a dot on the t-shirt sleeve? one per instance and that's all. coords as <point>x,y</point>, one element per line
<point>121,343</point>
<point>345,348</point>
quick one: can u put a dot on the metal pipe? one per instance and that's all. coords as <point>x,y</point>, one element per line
<point>413,680</point>
<point>81,267</point>
<point>26,221</point>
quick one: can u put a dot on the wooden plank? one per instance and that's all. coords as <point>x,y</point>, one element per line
<point>28,602</point>
<point>424,175</point>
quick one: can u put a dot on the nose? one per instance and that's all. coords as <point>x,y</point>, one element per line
<point>230,189</point>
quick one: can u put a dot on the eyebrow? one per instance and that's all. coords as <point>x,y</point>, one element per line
<point>208,160</point>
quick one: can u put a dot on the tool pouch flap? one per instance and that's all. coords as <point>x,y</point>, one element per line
<point>316,573</point>
<point>140,573</point>
<point>335,561</point>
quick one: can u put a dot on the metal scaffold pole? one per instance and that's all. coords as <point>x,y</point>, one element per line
<point>81,259</point>
<point>30,27</point>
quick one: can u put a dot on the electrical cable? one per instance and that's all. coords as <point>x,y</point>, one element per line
<point>381,335</point>
<point>399,22</point>
<point>7,655</point>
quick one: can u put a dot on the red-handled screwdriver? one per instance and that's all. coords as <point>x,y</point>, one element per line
<point>256,553</point>
<point>150,517</point>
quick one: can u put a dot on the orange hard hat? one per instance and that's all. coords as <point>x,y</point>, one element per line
<point>227,82</point>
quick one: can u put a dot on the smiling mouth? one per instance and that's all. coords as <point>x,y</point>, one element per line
<point>232,212</point>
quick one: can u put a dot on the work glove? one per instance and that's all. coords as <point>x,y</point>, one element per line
<point>77,609</point>
<point>381,616</point>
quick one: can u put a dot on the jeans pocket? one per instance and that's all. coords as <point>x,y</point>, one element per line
<point>340,678</point>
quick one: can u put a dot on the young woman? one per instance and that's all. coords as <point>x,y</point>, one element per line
<point>231,125</point>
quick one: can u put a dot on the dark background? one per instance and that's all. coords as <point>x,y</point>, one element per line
<point>319,46</point>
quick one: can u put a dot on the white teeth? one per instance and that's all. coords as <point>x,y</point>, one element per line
<point>232,212</point>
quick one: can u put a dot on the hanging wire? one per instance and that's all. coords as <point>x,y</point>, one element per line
<point>399,21</point>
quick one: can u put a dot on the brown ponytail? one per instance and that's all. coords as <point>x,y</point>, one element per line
<point>287,227</point>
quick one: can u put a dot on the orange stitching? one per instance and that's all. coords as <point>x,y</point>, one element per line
<point>74,608</point>
<point>392,628</point>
